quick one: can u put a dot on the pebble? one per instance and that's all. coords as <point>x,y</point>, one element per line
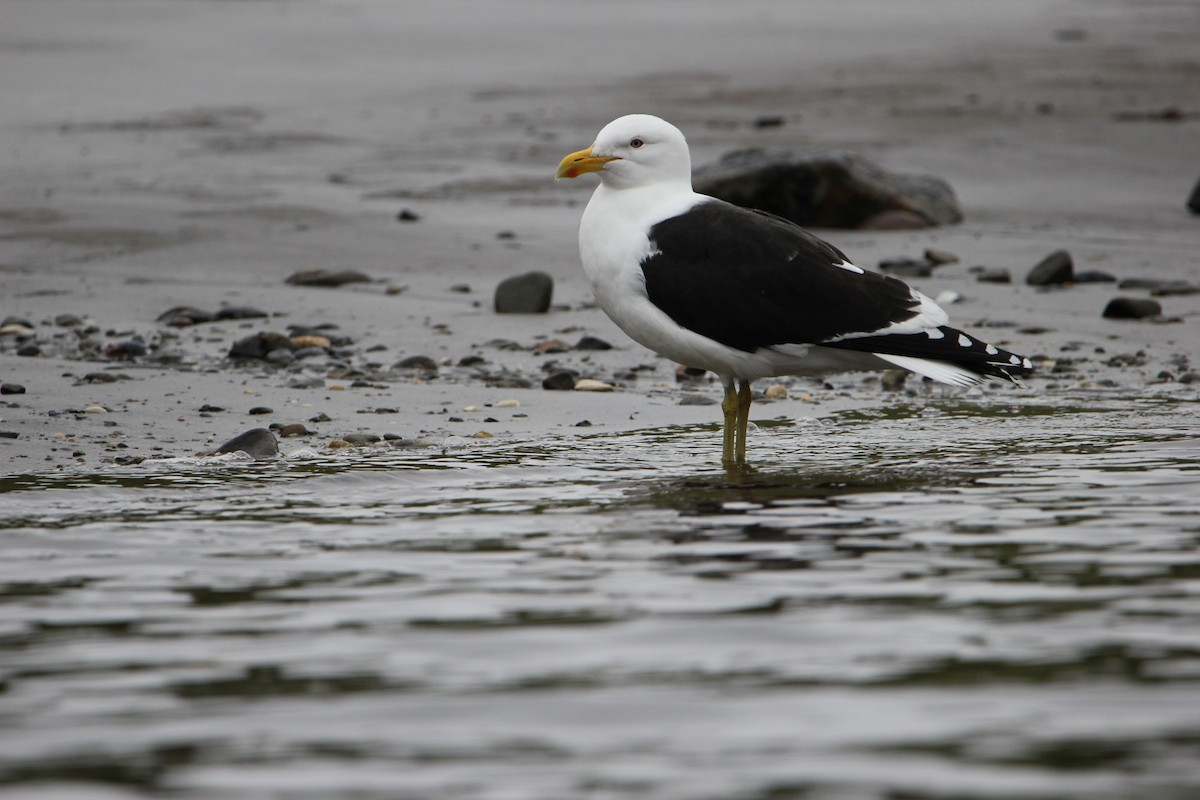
<point>11,388</point>
<point>128,349</point>
<point>259,345</point>
<point>1193,201</point>
<point>1132,308</point>
<point>552,346</point>
<point>583,423</point>
<point>776,391</point>
<point>322,417</point>
<point>408,215</point>
<point>311,340</point>
<point>261,410</point>
<point>994,275</point>
<point>9,435</point>
<point>240,312</point>
<point>592,343</point>
<point>695,399</point>
<point>327,278</point>
<point>258,443</point>
<point>422,363</point>
<point>29,350</point>
<point>1094,276</point>
<point>95,410</point>
<point>295,429</point>
<point>359,439</point>
<point>483,435</point>
<point>210,409</point>
<point>508,403</point>
<point>15,329</point>
<point>591,385</point>
<point>183,316</point>
<point>67,320</point>
<point>280,357</point>
<point>1053,270</point>
<point>529,293</point>
<point>562,380</point>
<point>936,256</point>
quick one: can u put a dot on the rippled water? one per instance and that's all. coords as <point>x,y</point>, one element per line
<point>947,601</point>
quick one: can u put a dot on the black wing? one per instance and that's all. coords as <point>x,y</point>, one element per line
<point>749,279</point>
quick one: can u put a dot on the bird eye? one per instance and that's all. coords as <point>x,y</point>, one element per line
<point>636,142</point>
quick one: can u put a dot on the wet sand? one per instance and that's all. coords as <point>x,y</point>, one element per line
<point>164,154</point>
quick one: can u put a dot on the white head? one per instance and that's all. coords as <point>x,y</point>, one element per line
<point>631,151</point>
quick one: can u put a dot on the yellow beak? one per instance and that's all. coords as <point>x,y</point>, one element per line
<point>580,162</point>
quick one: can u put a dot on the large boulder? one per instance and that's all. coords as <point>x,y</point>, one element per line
<point>828,190</point>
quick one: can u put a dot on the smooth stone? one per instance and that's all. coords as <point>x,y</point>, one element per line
<point>327,278</point>
<point>1193,201</point>
<point>776,391</point>
<point>362,438</point>
<point>1053,270</point>
<point>130,349</point>
<point>562,380</point>
<point>280,357</point>
<point>408,215</point>
<point>938,256</point>
<point>1094,276</point>
<point>1145,283</point>
<point>15,329</point>
<point>994,275</point>
<point>9,435</point>
<point>591,385</point>
<point>259,345</point>
<point>828,190</point>
<point>423,363</point>
<point>592,343</point>
<point>306,383</point>
<point>15,320</point>
<point>68,320</point>
<point>552,346</point>
<point>240,312</point>
<point>308,352</point>
<point>1132,308</point>
<point>211,409</point>
<point>29,350</point>
<point>295,429</point>
<point>182,316</point>
<point>11,388</point>
<point>529,293</point>
<point>694,399</point>
<point>261,410</point>
<point>95,410</point>
<point>258,443</point>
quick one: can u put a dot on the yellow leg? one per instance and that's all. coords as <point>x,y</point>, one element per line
<point>729,407</point>
<point>743,420</point>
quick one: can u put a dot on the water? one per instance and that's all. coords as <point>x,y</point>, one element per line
<point>952,600</point>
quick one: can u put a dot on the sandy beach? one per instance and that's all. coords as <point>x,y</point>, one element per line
<point>164,154</point>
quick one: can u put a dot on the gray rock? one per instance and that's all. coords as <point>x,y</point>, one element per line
<point>993,275</point>
<point>561,381</point>
<point>592,343</point>
<point>1193,201</point>
<point>280,357</point>
<point>1094,276</point>
<point>907,267</point>
<point>240,312</point>
<point>327,278</point>
<point>524,294</point>
<point>183,316</point>
<point>827,190</point>
<point>67,320</point>
<point>258,443</point>
<point>1053,270</point>
<point>362,438</point>
<point>419,363</point>
<point>1132,308</point>
<point>696,399</point>
<point>11,388</point>
<point>259,345</point>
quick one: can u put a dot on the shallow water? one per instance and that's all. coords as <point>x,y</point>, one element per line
<point>948,600</point>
